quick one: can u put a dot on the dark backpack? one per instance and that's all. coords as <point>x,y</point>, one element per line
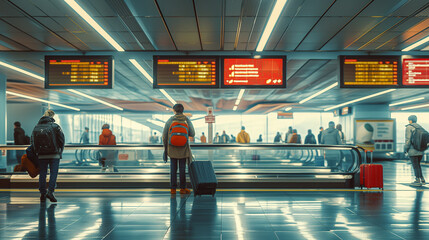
<point>44,139</point>
<point>27,140</point>
<point>420,139</point>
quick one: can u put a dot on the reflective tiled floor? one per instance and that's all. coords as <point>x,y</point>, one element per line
<point>399,212</point>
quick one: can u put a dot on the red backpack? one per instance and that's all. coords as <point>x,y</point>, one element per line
<point>178,134</point>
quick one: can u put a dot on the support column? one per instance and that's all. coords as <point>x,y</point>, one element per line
<point>3,117</point>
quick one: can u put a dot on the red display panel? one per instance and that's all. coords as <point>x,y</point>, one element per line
<point>415,72</point>
<point>257,73</point>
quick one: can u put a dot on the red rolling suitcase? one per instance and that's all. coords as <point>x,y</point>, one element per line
<point>371,175</point>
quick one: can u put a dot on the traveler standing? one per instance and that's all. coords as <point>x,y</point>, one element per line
<point>224,138</point>
<point>175,136</point>
<point>259,140</point>
<point>243,137</point>
<point>415,155</point>
<point>19,138</point>
<point>339,127</point>
<point>47,140</point>
<point>154,139</point>
<point>203,138</point>
<point>310,138</point>
<point>278,138</point>
<point>288,135</point>
<point>331,136</point>
<point>84,138</point>
<point>295,137</point>
<point>108,157</point>
<point>216,139</point>
<point>319,136</point>
<point>233,140</point>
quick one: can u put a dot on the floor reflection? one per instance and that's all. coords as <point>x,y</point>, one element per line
<point>47,230</point>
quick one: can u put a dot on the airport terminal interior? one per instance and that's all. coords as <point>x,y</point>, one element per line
<point>302,119</point>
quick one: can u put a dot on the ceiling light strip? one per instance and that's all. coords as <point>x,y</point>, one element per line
<point>275,14</point>
<point>421,42</point>
<point>360,99</point>
<point>22,71</point>
<point>415,107</point>
<point>240,95</point>
<point>407,101</point>
<point>150,79</point>
<point>288,109</point>
<point>235,108</point>
<point>41,100</point>
<point>96,99</point>
<point>318,93</point>
<point>142,70</point>
<point>79,10</point>
<point>168,96</point>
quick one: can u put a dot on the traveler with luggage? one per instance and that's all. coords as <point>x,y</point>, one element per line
<point>243,136</point>
<point>107,157</point>
<point>416,140</point>
<point>47,140</point>
<point>310,138</point>
<point>175,136</point>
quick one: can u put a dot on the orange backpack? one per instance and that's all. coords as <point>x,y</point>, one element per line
<point>29,166</point>
<point>178,134</point>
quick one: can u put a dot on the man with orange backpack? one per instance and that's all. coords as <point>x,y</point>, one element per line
<point>175,137</point>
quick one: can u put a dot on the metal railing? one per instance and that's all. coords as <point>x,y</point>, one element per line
<point>232,158</point>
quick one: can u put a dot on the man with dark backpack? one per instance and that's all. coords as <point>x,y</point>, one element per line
<point>416,140</point>
<point>175,137</point>
<point>47,140</point>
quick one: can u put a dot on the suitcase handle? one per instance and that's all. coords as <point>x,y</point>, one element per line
<point>366,159</point>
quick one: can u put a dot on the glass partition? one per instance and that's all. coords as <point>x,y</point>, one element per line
<point>232,158</point>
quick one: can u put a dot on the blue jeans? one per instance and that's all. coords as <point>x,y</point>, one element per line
<point>54,164</point>
<point>173,172</point>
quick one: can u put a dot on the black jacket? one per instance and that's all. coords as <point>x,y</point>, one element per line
<point>59,135</point>
<point>310,139</point>
<point>19,136</point>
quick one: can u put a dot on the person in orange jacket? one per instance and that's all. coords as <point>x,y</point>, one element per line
<point>203,138</point>
<point>107,157</point>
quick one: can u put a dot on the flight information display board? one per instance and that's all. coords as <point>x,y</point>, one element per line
<point>369,71</point>
<point>78,72</point>
<point>245,72</point>
<point>415,72</point>
<point>185,72</point>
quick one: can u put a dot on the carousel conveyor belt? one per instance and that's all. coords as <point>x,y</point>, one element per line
<point>161,179</point>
